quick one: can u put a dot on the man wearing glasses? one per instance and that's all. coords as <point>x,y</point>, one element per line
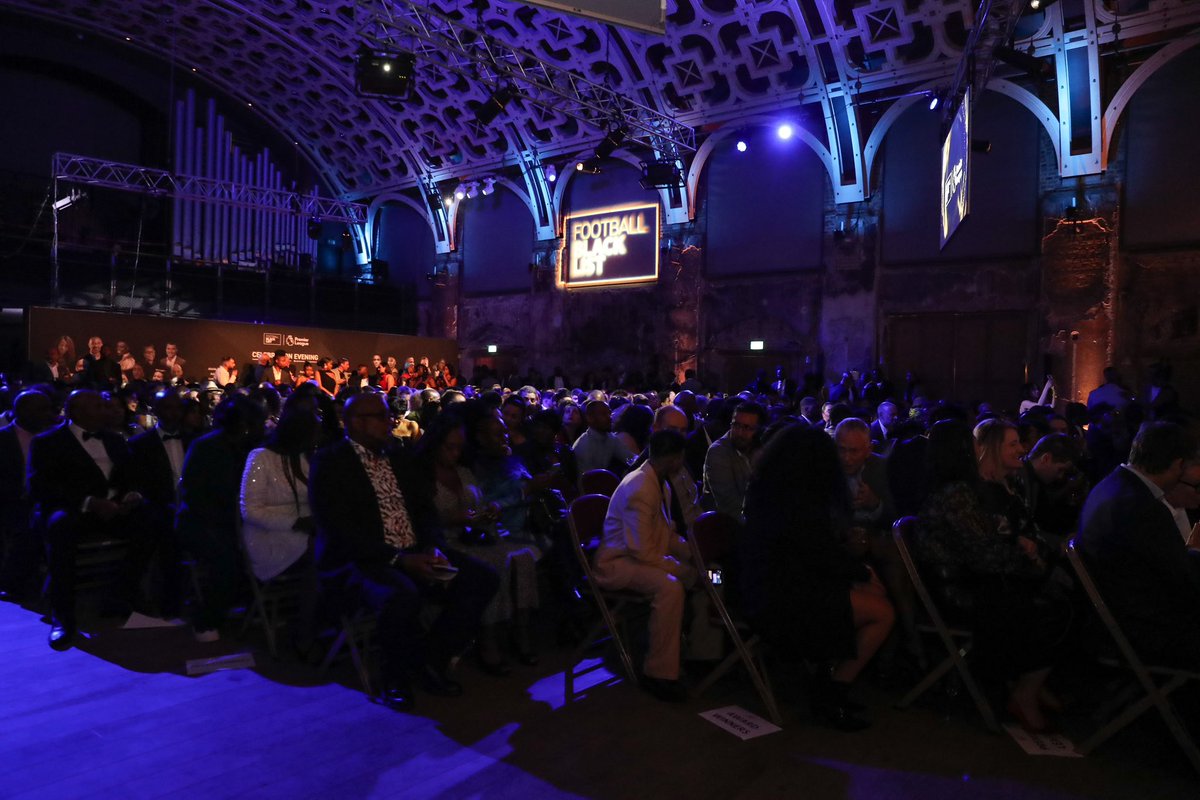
<point>727,465</point>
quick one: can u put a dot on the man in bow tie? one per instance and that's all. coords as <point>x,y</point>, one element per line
<point>79,483</point>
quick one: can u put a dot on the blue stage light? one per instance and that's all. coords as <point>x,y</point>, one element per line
<point>741,146</point>
<point>784,131</point>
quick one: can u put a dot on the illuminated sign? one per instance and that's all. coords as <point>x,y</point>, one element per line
<point>956,171</point>
<point>610,246</point>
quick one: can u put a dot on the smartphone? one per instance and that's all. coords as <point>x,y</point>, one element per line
<point>714,577</point>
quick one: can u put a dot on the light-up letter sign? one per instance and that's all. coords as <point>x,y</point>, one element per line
<point>610,246</point>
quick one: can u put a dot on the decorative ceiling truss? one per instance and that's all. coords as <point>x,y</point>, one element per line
<point>995,21</point>
<point>440,39</point>
<point>144,180</point>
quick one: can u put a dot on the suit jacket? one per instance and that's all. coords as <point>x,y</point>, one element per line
<point>875,476</point>
<point>878,437</point>
<point>12,470</point>
<point>150,468</point>
<point>637,525</point>
<point>211,485</point>
<point>346,511</point>
<point>38,371</point>
<point>62,475</point>
<point>1132,547</point>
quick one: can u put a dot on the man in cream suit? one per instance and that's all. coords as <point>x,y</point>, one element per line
<point>642,553</point>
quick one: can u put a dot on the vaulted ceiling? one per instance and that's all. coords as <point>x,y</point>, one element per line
<point>832,64</point>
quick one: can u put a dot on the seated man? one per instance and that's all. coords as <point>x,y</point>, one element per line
<point>77,481</point>
<point>642,553</point>
<point>33,412</point>
<point>727,465</point>
<point>599,447</point>
<point>1042,482</point>
<point>379,543</point>
<point>1131,544</point>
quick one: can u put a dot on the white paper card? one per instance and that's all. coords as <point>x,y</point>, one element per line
<point>137,621</point>
<point>1043,744</point>
<point>740,722</point>
<point>201,666</point>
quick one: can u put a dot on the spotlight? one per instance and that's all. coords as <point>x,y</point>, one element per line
<point>460,193</point>
<point>611,141</point>
<point>491,108</point>
<point>472,190</point>
<point>62,204</point>
<point>449,202</point>
<point>551,173</point>
<point>489,186</point>
<point>933,102</point>
<point>589,167</point>
<point>662,174</point>
<point>741,146</point>
<point>382,73</point>
<point>1035,4</point>
<point>784,131</point>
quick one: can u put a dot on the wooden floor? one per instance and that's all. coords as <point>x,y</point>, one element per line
<point>117,717</point>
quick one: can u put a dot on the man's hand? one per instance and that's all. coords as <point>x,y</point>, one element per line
<point>102,507</point>
<point>420,566</point>
<point>866,498</point>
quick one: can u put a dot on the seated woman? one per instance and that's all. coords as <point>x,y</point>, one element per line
<point>573,425</point>
<point>277,527</point>
<point>799,586</point>
<point>468,514</point>
<point>972,537</point>
<point>632,426</point>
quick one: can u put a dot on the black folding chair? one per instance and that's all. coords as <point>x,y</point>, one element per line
<point>713,538</point>
<point>355,632</point>
<point>1157,682</point>
<point>585,520</point>
<point>956,641</point>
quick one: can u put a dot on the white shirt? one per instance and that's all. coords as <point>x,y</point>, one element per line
<point>174,448</point>
<point>223,377</point>
<point>95,449</point>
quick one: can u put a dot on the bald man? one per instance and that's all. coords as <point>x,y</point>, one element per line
<point>78,483</point>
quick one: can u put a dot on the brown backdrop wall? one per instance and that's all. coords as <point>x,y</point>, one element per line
<point>202,343</point>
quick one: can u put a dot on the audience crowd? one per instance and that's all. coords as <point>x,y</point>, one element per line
<point>438,509</point>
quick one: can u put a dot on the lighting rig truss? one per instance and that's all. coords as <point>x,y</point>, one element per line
<point>437,38</point>
<point>146,180</point>
<point>995,21</point>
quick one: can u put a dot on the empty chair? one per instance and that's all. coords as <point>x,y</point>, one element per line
<point>599,481</point>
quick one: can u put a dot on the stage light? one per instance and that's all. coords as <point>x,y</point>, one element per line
<point>1035,4</point>
<point>757,344</point>
<point>784,131</point>
<point>472,190</point>
<point>611,141</point>
<point>741,146</point>
<point>491,108</point>
<point>489,186</point>
<point>382,73</point>
<point>460,193</point>
<point>449,202</point>
<point>71,199</point>
<point>589,167</point>
<point>933,102</point>
<point>493,348</point>
<point>551,173</point>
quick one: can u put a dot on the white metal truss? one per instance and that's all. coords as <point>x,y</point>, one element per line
<point>147,180</point>
<point>477,55</point>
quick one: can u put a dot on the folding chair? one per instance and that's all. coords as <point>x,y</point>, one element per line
<point>585,520</point>
<point>1156,694</point>
<point>712,539</point>
<point>268,599</point>
<point>956,641</point>
<point>354,633</point>
<point>599,481</point>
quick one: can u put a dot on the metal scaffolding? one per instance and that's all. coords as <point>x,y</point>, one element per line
<point>478,56</point>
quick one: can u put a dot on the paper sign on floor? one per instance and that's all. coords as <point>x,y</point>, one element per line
<point>202,666</point>
<point>138,621</point>
<point>740,722</point>
<point>1043,744</point>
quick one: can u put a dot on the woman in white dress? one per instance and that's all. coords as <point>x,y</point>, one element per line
<point>277,526</point>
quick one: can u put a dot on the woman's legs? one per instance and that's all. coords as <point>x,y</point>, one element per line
<point>873,621</point>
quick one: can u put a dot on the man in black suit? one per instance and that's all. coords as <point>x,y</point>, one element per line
<point>379,543</point>
<point>33,412</point>
<point>78,482</point>
<point>155,466</point>
<point>883,429</point>
<point>1131,544</point>
<point>280,371</point>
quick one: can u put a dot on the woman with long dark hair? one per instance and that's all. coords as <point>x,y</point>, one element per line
<point>800,586</point>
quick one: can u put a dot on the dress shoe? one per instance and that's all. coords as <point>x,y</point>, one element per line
<point>61,637</point>
<point>435,682</point>
<point>397,695</point>
<point>666,690</point>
